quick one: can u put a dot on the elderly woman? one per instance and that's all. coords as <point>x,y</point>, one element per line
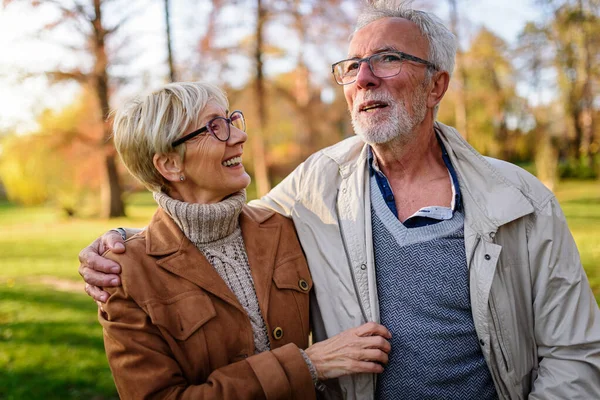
<point>214,301</point>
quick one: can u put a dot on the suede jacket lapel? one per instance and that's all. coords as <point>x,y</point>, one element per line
<point>178,255</point>
<point>261,246</point>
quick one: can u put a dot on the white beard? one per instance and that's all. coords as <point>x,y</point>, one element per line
<point>394,123</point>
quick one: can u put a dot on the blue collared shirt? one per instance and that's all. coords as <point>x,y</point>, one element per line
<point>427,215</point>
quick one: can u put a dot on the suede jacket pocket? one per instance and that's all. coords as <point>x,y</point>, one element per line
<point>183,314</point>
<point>293,274</point>
<point>289,310</point>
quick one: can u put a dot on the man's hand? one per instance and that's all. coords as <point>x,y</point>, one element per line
<point>98,271</point>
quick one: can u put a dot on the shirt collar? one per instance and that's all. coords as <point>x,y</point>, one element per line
<point>456,204</point>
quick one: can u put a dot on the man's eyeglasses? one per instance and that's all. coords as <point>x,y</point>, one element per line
<point>382,65</point>
<point>219,127</point>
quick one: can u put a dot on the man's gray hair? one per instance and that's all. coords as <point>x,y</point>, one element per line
<point>442,42</point>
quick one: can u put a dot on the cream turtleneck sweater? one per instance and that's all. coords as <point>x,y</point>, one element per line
<point>214,229</point>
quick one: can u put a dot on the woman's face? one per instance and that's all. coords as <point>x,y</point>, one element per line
<point>213,169</point>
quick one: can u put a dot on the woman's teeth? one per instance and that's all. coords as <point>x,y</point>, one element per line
<point>232,161</point>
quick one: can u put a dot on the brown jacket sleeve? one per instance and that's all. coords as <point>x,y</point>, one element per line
<point>143,365</point>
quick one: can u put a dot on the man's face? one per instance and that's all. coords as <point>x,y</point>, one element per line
<point>383,109</point>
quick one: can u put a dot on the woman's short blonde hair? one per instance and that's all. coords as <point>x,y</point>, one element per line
<point>146,126</point>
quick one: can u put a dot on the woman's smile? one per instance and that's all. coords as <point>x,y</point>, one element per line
<point>233,161</point>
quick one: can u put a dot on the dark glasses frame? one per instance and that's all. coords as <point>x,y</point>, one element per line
<point>206,128</point>
<point>403,58</point>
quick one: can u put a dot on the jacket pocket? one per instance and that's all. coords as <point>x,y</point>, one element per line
<point>291,287</point>
<point>293,274</point>
<point>183,314</point>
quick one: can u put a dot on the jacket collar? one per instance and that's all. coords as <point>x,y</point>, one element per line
<point>489,197</point>
<point>348,154</point>
<point>178,255</point>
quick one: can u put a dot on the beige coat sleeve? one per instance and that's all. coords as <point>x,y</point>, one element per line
<point>567,319</point>
<point>282,198</point>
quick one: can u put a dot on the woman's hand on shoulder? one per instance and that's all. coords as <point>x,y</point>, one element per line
<point>357,350</point>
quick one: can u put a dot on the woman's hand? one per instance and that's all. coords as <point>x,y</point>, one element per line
<point>358,350</point>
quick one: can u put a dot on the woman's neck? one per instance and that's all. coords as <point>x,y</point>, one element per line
<point>204,223</point>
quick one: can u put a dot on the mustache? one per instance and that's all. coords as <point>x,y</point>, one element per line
<point>383,97</point>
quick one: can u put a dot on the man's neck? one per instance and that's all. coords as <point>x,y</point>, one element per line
<point>413,158</point>
<point>416,172</point>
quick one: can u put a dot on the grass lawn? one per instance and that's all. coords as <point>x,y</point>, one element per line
<point>580,202</point>
<point>50,341</point>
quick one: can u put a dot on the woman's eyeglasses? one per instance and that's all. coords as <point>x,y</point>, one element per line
<point>219,127</point>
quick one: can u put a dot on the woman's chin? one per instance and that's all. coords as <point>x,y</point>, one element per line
<point>246,181</point>
<point>241,183</point>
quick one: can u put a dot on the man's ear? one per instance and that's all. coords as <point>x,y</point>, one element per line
<point>441,81</point>
<point>169,165</point>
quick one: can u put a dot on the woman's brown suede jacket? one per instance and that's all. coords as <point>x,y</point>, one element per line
<point>174,330</point>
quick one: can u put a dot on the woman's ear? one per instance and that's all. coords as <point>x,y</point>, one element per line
<point>169,165</point>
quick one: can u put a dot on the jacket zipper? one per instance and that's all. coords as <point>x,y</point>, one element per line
<point>352,273</point>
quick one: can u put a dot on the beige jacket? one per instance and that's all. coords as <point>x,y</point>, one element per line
<point>535,315</point>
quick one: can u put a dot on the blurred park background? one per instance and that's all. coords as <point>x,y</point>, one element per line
<point>526,90</point>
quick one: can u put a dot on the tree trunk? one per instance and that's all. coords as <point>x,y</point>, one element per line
<point>587,114</point>
<point>258,143</point>
<point>574,112</point>
<point>172,72</point>
<point>112,203</point>
<point>460,77</point>
<point>305,129</point>
<point>501,134</point>
<point>546,158</point>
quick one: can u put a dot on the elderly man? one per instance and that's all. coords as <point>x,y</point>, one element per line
<point>467,260</point>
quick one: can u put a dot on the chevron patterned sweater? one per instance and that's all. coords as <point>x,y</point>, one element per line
<point>423,289</point>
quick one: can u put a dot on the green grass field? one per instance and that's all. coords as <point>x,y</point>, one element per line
<point>50,341</point>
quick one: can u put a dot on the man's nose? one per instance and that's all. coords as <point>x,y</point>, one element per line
<point>365,77</point>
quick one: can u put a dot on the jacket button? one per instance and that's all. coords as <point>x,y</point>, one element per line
<point>481,342</point>
<point>277,333</point>
<point>302,284</point>
<point>363,266</point>
<point>487,257</point>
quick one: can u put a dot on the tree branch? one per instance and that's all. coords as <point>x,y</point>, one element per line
<point>75,75</point>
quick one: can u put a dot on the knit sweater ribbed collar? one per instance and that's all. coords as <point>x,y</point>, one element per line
<point>204,223</point>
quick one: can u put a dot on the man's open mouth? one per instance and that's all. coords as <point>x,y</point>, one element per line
<point>372,106</point>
